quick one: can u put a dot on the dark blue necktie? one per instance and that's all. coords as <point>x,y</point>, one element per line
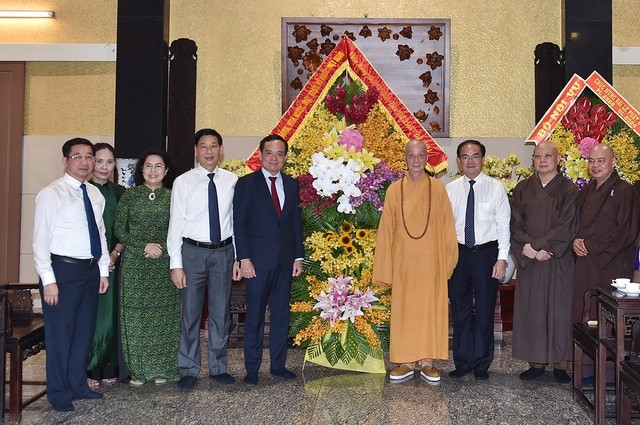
<point>214,214</point>
<point>469,232</point>
<point>94,235</point>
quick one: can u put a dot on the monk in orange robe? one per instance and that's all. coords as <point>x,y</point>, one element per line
<point>416,252</point>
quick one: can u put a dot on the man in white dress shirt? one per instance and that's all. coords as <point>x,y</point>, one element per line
<point>200,245</point>
<point>72,260</point>
<point>482,213</point>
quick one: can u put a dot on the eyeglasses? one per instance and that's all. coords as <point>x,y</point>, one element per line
<point>475,157</point>
<point>150,167</point>
<point>77,157</point>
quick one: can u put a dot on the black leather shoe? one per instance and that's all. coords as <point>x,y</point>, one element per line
<point>251,379</point>
<point>481,375</point>
<point>64,407</point>
<point>225,378</point>
<point>89,395</point>
<point>186,382</point>
<point>532,373</point>
<point>283,373</point>
<point>458,373</point>
<point>561,376</point>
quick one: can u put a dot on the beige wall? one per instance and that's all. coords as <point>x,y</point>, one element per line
<point>239,70</point>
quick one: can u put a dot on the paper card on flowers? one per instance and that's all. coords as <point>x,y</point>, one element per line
<point>588,112</point>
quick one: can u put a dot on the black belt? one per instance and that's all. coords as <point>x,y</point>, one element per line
<point>207,244</point>
<point>488,245</point>
<point>71,260</point>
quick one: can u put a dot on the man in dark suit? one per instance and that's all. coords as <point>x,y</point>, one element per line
<point>268,231</point>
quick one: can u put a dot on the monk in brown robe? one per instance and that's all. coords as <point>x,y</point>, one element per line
<point>544,222</point>
<point>416,252</point>
<point>609,223</point>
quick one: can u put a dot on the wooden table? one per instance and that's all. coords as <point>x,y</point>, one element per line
<point>613,310</point>
<point>629,390</point>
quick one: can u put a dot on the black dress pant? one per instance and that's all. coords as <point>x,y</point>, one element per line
<point>472,294</point>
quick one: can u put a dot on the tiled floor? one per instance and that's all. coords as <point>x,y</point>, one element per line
<point>326,396</point>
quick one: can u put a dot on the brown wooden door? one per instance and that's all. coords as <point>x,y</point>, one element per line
<point>11,131</point>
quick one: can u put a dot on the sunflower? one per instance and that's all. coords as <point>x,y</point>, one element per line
<point>362,233</point>
<point>346,227</point>
<point>330,237</point>
<point>349,249</point>
<point>345,240</point>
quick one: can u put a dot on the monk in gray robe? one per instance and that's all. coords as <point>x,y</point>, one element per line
<point>544,222</point>
<point>609,223</point>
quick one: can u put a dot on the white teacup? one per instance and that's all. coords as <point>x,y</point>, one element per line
<point>621,282</point>
<point>633,287</point>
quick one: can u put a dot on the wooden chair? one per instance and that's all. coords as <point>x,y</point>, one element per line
<point>24,338</point>
<point>585,342</point>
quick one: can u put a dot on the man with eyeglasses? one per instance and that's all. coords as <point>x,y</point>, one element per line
<point>481,211</point>
<point>544,222</point>
<point>72,260</point>
<point>609,224</point>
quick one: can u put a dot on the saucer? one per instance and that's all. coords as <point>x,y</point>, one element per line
<point>629,294</point>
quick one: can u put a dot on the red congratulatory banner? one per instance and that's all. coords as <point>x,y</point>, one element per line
<point>614,100</point>
<point>558,109</point>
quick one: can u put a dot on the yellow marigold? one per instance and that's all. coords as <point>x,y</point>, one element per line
<point>377,317</point>
<point>314,332</point>
<point>364,328</point>
<point>301,307</point>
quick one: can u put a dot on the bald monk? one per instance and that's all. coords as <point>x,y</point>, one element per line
<point>416,252</point>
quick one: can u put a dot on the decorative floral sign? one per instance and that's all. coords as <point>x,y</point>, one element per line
<point>579,119</point>
<point>346,134</point>
<point>412,55</point>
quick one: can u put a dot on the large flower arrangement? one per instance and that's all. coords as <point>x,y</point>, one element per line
<point>348,154</point>
<point>589,122</point>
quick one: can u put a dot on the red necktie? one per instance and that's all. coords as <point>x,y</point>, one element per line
<point>274,196</point>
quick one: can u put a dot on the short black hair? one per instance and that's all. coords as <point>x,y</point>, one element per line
<point>483,150</point>
<point>271,138</point>
<point>168,179</point>
<point>207,132</point>
<point>66,148</point>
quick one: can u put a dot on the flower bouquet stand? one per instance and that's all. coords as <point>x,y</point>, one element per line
<point>346,132</point>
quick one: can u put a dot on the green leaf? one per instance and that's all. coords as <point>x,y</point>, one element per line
<point>350,344</point>
<point>314,350</point>
<point>299,289</point>
<point>367,216</point>
<point>299,321</point>
<point>332,349</point>
<point>363,348</point>
<point>383,334</point>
